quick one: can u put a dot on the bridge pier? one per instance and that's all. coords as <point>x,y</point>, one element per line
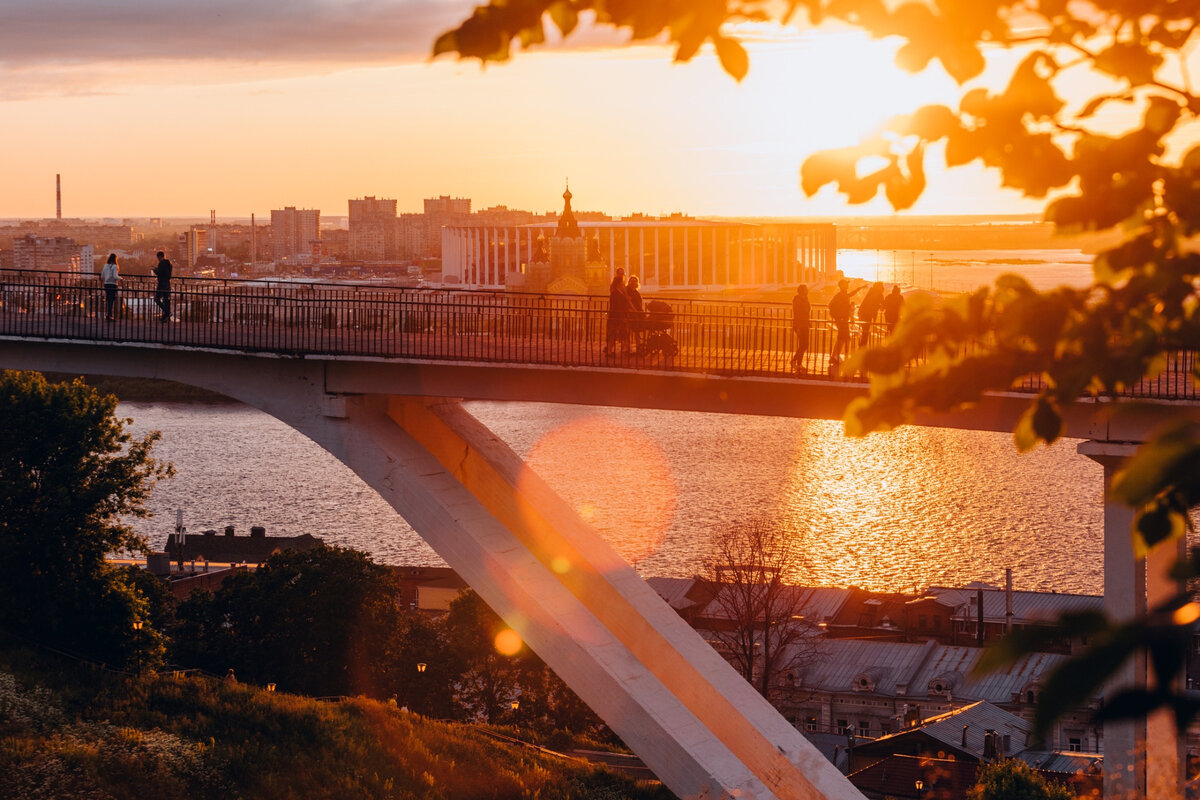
<point>702,729</point>
<point>1143,757</point>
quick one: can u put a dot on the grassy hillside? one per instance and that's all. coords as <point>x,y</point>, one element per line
<point>74,732</point>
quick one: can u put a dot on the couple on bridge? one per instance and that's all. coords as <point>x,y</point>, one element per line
<point>110,276</point>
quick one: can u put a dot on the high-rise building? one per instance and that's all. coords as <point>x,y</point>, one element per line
<point>441,211</point>
<point>373,229</point>
<point>55,253</point>
<point>193,243</point>
<point>295,232</point>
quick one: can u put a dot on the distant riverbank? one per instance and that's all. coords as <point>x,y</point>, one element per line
<point>144,390</point>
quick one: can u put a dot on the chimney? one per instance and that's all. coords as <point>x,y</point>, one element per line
<point>253,243</point>
<point>1008,612</point>
<point>229,530</point>
<point>258,532</point>
<point>58,194</point>
<point>990,745</point>
<point>212,216</point>
<point>964,739</point>
<point>979,616</point>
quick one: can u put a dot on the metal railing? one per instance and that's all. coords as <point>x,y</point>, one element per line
<point>728,338</point>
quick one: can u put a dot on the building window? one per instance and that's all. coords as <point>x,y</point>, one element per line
<point>921,622</point>
<point>843,727</point>
<point>811,724</point>
<point>864,728</point>
<point>885,728</point>
<point>1075,745</point>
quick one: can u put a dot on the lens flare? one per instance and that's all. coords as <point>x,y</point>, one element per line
<point>599,466</point>
<point>508,642</point>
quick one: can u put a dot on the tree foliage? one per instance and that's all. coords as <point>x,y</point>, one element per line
<point>323,622</point>
<point>1111,155</point>
<point>1015,780</point>
<point>69,476</point>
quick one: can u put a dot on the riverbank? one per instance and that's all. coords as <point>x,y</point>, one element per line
<point>144,390</point>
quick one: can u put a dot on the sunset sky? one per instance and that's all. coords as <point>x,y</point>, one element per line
<point>171,108</point>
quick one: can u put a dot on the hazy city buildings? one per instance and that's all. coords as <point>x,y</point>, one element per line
<point>295,233</point>
<point>374,229</point>
<point>55,253</point>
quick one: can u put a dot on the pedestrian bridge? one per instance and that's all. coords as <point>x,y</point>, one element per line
<point>376,375</point>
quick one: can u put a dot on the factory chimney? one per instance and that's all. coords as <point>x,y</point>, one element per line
<point>212,216</point>
<point>58,194</point>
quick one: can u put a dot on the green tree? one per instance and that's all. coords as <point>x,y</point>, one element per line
<point>69,475</point>
<point>1044,134</point>
<point>323,622</point>
<point>1015,780</point>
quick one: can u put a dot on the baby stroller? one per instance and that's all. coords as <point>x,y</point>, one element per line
<point>655,330</point>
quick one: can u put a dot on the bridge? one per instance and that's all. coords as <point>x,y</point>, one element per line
<point>376,375</point>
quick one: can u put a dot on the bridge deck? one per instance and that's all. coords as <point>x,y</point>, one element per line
<point>309,319</point>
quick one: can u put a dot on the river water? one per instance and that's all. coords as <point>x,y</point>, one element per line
<point>906,509</point>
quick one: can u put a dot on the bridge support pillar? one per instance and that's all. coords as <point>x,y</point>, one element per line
<point>1144,757</point>
<point>702,729</point>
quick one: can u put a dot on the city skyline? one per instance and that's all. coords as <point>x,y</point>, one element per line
<point>179,110</point>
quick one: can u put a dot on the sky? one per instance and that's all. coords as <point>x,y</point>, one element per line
<point>173,108</point>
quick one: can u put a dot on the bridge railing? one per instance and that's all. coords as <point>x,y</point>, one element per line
<point>325,319</point>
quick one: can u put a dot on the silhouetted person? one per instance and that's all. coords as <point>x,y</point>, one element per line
<point>868,310</point>
<point>891,308</point>
<point>618,315</point>
<point>162,291</point>
<point>840,311</point>
<point>229,676</point>
<point>801,311</point>
<point>109,275</point>
<point>637,312</point>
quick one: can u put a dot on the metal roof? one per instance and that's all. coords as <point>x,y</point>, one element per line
<point>1027,606</point>
<point>906,670</point>
<point>1065,763</point>
<point>674,591</point>
<point>978,718</point>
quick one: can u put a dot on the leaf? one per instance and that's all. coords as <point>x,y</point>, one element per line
<point>733,57</point>
<point>564,16</point>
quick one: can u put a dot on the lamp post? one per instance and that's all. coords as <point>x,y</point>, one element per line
<point>421,666</point>
<point>920,784</point>
<point>270,687</point>
<point>137,643</point>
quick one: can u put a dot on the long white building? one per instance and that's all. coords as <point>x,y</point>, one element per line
<point>673,253</point>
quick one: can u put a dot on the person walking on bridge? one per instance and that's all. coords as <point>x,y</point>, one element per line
<point>801,311</point>
<point>162,291</point>
<point>109,276</point>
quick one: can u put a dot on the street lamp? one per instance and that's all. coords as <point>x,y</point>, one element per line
<point>137,641</point>
<point>270,687</point>
<point>920,787</point>
<point>420,666</point>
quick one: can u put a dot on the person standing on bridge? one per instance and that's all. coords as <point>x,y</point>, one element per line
<point>619,309</point>
<point>801,311</point>
<point>162,291</point>
<point>109,277</point>
<point>868,310</point>
<point>840,311</point>
<point>891,308</point>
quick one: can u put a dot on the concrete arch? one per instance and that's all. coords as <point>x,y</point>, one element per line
<point>702,729</point>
